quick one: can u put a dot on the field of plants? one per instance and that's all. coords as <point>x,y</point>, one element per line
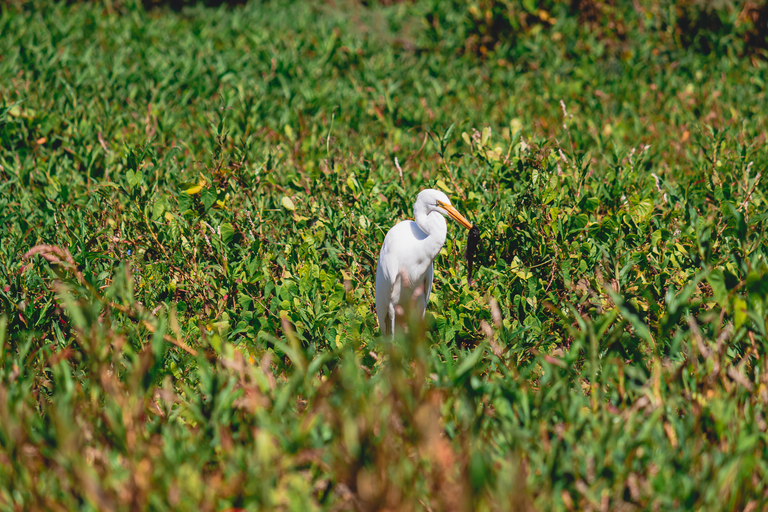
<point>192,201</point>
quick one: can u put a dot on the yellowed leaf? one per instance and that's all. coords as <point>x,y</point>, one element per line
<point>443,186</point>
<point>287,203</point>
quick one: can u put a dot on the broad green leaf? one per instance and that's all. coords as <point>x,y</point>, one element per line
<point>641,211</point>
<point>158,209</point>
<point>208,198</point>
<point>716,280</point>
<point>227,232</point>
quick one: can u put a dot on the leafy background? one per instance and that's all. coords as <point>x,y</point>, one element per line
<point>192,202</point>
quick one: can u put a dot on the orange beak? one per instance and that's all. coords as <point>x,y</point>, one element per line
<point>454,214</point>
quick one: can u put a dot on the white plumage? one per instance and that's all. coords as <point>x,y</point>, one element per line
<point>404,273</point>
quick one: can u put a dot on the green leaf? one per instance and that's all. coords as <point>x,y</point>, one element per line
<point>134,178</point>
<point>641,211</point>
<point>716,280</point>
<point>486,135</point>
<point>158,209</point>
<point>641,329</point>
<point>739,311</point>
<point>469,362</point>
<point>72,307</point>
<point>208,198</point>
<point>3,326</point>
<point>227,232</point>
<point>579,222</point>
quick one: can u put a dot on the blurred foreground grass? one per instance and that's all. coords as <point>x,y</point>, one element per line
<point>191,209</point>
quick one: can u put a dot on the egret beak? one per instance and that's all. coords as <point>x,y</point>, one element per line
<point>454,214</point>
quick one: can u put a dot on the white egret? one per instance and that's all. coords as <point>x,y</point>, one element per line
<point>404,273</point>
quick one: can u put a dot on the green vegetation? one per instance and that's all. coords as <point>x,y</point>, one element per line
<point>191,207</point>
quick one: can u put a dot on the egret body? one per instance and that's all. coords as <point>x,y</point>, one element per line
<point>404,273</point>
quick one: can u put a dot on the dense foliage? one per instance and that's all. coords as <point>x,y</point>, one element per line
<point>191,208</point>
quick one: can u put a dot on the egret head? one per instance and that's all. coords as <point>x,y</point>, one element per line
<point>433,200</point>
